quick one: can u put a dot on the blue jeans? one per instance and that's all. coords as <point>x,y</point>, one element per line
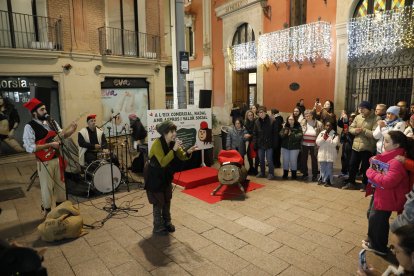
<point>269,158</point>
<point>290,159</point>
<point>326,171</point>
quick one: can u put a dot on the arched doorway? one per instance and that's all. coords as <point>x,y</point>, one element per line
<point>244,81</point>
<point>380,78</point>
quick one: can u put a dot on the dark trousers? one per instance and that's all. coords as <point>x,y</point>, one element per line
<point>276,156</point>
<point>268,154</point>
<point>357,158</point>
<point>378,227</point>
<point>306,151</point>
<point>346,157</point>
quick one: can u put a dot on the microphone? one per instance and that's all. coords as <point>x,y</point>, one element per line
<point>116,115</point>
<point>47,117</point>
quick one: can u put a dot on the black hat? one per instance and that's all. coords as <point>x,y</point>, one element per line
<point>365,104</point>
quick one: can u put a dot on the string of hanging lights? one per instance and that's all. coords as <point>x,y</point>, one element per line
<point>305,42</point>
<point>381,33</point>
<point>310,42</point>
<point>244,56</point>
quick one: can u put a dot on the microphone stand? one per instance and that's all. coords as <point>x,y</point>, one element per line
<point>113,209</point>
<point>116,136</point>
<point>104,124</point>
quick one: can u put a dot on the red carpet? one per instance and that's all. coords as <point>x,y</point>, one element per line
<point>226,192</point>
<point>196,177</point>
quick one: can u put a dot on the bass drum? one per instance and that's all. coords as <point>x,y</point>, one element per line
<point>98,174</point>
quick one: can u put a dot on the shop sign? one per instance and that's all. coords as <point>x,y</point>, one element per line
<point>121,82</point>
<point>13,83</point>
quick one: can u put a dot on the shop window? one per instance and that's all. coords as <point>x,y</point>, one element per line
<point>14,92</point>
<point>120,98</point>
<point>297,12</point>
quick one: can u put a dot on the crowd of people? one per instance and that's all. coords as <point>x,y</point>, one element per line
<point>267,139</point>
<point>377,144</point>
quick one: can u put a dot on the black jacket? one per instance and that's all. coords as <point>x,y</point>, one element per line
<point>264,133</point>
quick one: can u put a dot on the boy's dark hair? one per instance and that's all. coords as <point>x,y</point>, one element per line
<point>274,111</point>
<point>406,236</point>
<point>398,137</point>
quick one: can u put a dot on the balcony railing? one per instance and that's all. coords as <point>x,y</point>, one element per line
<point>19,30</point>
<point>119,42</point>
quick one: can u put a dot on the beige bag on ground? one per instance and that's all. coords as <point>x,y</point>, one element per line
<point>61,223</point>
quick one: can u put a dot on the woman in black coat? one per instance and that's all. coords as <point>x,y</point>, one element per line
<point>164,155</point>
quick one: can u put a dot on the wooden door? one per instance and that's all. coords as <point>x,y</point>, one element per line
<point>240,87</point>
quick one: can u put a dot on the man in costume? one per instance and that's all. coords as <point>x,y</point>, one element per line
<point>50,167</point>
<point>91,140</point>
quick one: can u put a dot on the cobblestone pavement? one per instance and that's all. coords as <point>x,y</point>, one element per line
<point>286,228</point>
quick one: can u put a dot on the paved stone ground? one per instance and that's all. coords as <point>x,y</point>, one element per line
<point>285,228</point>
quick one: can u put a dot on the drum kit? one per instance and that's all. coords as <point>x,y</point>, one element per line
<point>98,173</point>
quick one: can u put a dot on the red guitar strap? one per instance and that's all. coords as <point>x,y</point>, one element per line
<point>62,166</point>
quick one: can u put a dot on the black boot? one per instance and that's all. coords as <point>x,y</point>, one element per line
<point>159,227</point>
<point>294,175</point>
<point>251,171</point>
<point>285,174</point>
<point>166,215</point>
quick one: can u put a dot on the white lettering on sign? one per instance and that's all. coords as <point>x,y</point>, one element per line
<point>14,83</point>
<point>121,82</point>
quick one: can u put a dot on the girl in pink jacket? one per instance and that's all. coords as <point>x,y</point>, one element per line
<point>390,182</point>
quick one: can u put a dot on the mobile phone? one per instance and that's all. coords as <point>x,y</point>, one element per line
<point>363,259</point>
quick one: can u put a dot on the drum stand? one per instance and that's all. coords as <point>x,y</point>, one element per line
<point>124,166</point>
<point>113,209</point>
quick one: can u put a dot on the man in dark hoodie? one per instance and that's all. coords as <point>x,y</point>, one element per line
<point>264,133</point>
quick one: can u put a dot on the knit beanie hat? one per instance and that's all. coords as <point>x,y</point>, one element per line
<point>394,110</point>
<point>365,104</point>
<point>132,116</point>
<point>165,126</point>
